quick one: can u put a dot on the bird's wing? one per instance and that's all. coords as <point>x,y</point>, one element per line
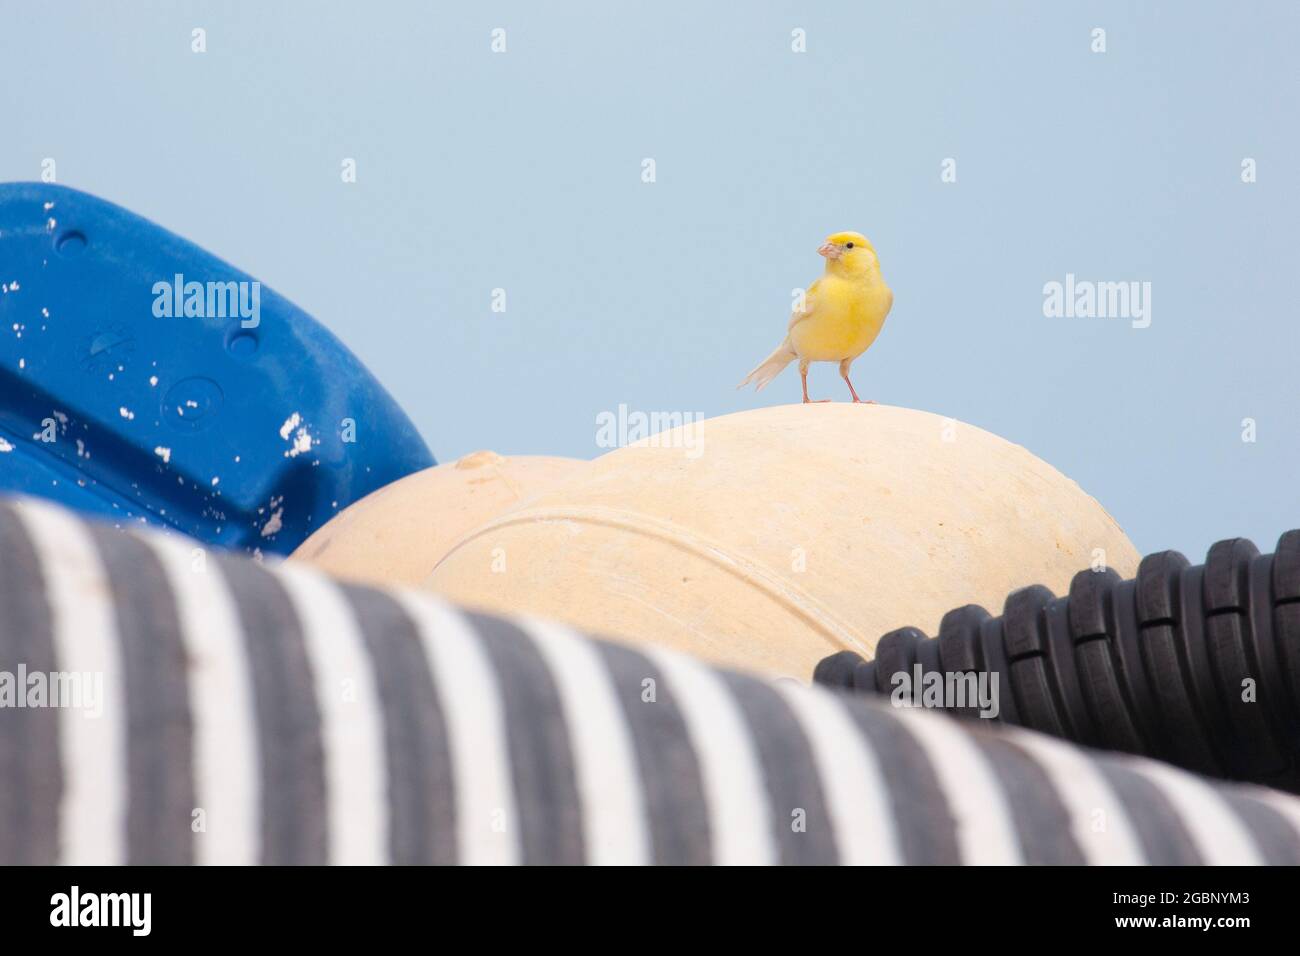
<point>809,306</point>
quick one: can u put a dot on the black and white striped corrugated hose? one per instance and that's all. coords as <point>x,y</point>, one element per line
<point>253,713</point>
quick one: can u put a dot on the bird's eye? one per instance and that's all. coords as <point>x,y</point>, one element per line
<point>849,246</point>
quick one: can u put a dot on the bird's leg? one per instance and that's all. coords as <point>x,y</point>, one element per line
<point>844,374</point>
<point>803,377</point>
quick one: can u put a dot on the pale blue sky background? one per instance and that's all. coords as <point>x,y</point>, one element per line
<point>522,171</point>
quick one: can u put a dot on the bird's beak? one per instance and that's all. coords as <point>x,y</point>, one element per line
<point>830,251</point>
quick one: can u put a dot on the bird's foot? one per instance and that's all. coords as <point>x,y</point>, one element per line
<point>815,401</point>
<point>862,401</point>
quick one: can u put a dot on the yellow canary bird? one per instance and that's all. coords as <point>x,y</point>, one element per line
<point>841,315</point>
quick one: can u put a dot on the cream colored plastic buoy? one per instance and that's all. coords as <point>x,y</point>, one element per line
<point>771,538</point>
<point>397,534</point>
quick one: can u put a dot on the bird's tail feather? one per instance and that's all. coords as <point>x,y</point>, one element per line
<point>770,367</point>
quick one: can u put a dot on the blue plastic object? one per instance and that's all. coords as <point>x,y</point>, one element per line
<point>143,379</point>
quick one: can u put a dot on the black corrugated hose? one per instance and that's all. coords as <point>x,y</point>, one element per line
<point>1195,665</point>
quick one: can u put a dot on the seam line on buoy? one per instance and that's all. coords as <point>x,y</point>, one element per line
<point>799,602</point>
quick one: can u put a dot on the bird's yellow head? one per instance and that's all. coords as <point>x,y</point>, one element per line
<point>849,254</point>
